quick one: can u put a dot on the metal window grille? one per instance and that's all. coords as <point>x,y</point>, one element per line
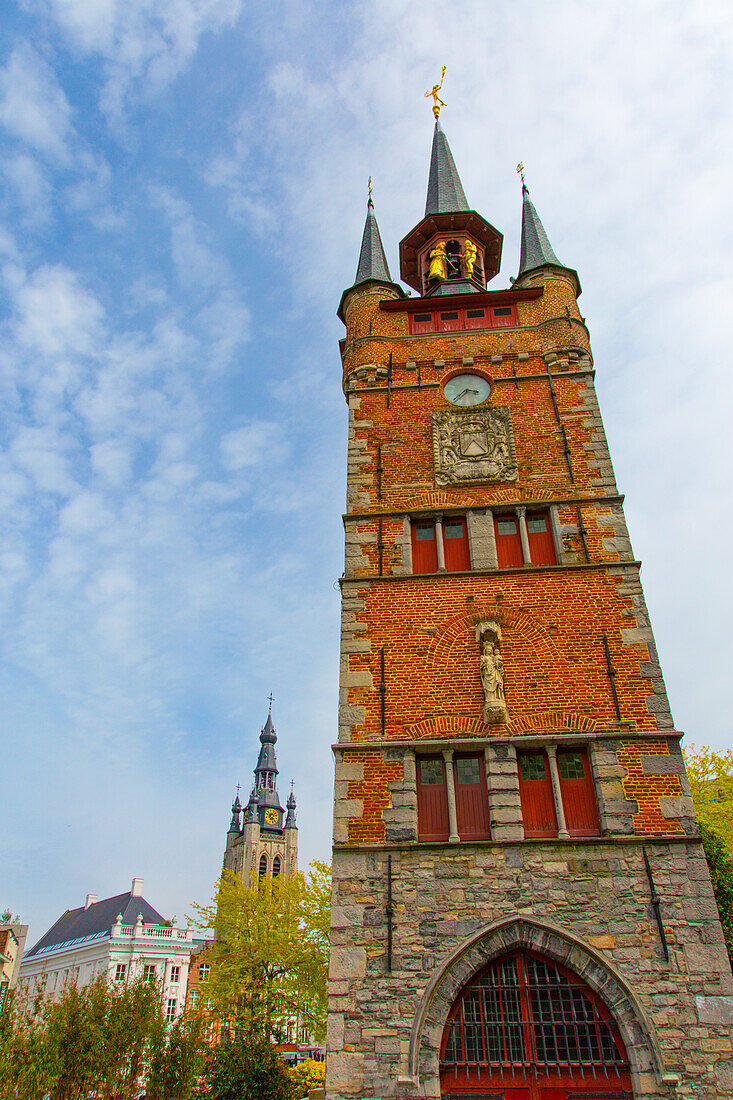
<point>523,1011</point>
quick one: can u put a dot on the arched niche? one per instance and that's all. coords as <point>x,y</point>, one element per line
<point>555,944</point>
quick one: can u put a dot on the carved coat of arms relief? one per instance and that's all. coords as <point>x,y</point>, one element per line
<point>473,446</point>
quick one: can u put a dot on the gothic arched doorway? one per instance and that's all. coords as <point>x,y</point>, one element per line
<point>526,1028</point>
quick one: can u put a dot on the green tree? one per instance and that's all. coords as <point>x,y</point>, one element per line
<point>246,1069</point>
<point>720,863</point>
<point>711,782</point>
<point>177,1059</point>
<point>270,952</point>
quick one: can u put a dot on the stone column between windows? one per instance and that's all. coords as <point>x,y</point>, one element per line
<point>522,517</point>
<point>556,536</point>
<point>562,828</point>
<point>453,838</point>
<point>439,543</point>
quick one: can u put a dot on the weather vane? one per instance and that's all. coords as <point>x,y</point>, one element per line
<point>270,698</point>
<point>437,101</point>
<point>520,170</point>
<point>369,185</point>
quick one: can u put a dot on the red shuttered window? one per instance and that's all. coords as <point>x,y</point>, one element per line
<point>535,794</point>
<point>472,801</point>
<point>424,550</point>
<point>455,544</point>
<point>477,318</point>
<point>508,542</point>
<point>422,322</point>
<point>578,793</point>
<point>432,799</point>
<point>503,317</point>
<point>541,545</point>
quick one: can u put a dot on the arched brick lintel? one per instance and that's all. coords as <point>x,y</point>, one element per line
<point>555,943</point>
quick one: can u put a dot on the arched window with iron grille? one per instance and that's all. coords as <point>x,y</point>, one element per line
<point>528,1023</point>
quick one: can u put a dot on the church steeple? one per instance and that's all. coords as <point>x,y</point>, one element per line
<point>536,251</point>
<point>445,190</point>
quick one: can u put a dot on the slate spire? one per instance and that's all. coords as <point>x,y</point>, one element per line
<point>445,190</point>
<point>536,250</point>
<point>372,260</point>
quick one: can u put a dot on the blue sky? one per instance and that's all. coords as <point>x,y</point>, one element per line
<point>182,194</point>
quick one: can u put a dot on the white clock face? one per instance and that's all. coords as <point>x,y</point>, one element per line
<point>466,389</point>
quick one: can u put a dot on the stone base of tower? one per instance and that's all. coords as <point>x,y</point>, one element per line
<point>584,905</point>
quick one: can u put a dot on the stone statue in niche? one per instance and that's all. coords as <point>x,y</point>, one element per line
<point>473,446</point>
<point>491,671</point>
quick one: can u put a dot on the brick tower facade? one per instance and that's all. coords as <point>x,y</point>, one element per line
<point>521,904</point>
<point>262,839</point>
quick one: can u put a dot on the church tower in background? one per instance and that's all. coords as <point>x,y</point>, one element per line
<point>521,903</point>
<point>262,838</point>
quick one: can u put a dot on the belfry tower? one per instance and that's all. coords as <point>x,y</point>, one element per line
<point>521,903</point>
<point>262,840</point>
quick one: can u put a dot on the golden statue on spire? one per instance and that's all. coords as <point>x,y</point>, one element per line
<point>520,171</point>
<point>437,101</point>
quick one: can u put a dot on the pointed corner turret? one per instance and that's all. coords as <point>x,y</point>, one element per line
<point>253,817</point>
<point>372,266</point>
<point>290,821</point>
<point>236,811</point>
<point>445,190</point>
<point>536,252</point>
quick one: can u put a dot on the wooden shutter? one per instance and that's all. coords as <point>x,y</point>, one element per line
<point>422,322</point>
<point>578,793</point>
<point>455,544</point>
<point>476,318</point>
<point>424,550</point>
<point>472,799</point>
<point>535,794</point>
<point>450,320</point>
<point>508,542</point>
<point>432,799</point>
<point>502,317</point>
<point>541,544</point>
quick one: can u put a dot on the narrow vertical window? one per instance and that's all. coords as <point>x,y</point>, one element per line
<point>424,549</point>
<point>263,866</point>
<point>535,794</point>
<point>432,799</point>
<point>276,866</point>
<point>472,800</point>
<point>455,544</point>
<point>508,542</point>
<point>578,793</point>
<point>541,544</point>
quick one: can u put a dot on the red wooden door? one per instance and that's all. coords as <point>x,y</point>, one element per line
<point>455,544</point>
<point>541,545</point>
<point>424,550</point>
<point>432,799</point>
<point>578,794</point>
<point>535,794</point>
<point>472,800</point>
<point>508,543</point>
<point>450,320</point>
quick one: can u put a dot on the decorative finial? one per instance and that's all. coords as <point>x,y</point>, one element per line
<point>520,170</point>
<point>238,788</point>
<point>437,101</point>
<point>270,700</point>
<point>369,185</point>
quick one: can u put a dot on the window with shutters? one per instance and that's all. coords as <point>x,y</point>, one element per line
<point>508,542</point>
<point>578,793</point>
<point>432,799</point>
<point>263,865</point>
<point>276,866</point>
<point>539,535</point>
<point>455,544</point>
<point>472,799</point>
<point>535,793</point>
<point>424,548</point>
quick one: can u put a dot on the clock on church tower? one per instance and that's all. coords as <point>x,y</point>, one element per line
<point>265,842</point>
<point>521,904</point>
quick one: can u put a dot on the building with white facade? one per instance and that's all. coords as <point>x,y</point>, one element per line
<point>121,937</point>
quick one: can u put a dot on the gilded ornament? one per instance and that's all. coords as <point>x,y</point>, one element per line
<point>437,262</point>
<point>437,101</point>
<point>469,258</point>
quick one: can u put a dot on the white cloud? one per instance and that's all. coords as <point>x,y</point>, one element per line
<point>56,315</point>
<point>258,443</point>
<point>33,106</point>
<point>31,187</point>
